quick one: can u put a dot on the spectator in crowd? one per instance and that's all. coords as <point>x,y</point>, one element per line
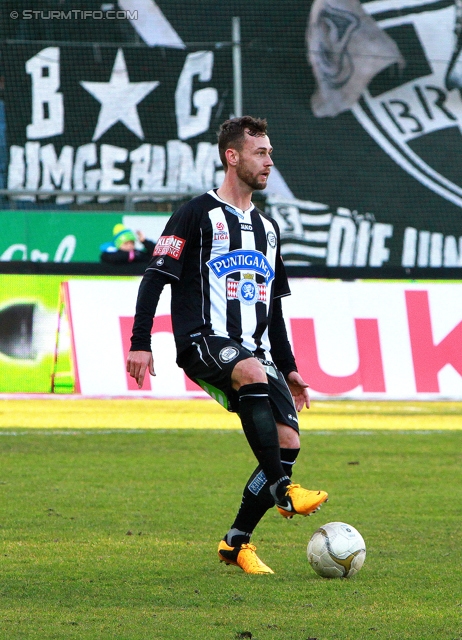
<point>122,248</point>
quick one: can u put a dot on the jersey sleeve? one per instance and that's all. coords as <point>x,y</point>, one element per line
<point>172,246</point>
<point>281,351</point>
<point>151,287</point>
<point>281,283</point>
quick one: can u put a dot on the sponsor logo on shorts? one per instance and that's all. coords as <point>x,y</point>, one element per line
<point>227,354</point>
<point>266,363</point>
<point>159,262</point>
<point>271,237</point>
<point>271,371</point>
<point>169,246</point>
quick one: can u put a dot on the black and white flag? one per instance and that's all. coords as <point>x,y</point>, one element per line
<point>346,49</point>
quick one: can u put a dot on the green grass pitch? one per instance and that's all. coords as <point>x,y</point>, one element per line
<point>111,517</point>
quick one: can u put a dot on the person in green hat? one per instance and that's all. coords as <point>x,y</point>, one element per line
<point>122,248</point>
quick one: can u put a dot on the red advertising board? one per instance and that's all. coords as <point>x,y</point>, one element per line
<point>387,340</point>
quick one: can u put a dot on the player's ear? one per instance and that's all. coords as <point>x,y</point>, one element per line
<point>232,157</point>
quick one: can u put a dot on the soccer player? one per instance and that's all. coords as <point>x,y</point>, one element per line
<point>221,256</point>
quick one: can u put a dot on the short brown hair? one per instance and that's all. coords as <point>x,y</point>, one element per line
<point>232,132</point>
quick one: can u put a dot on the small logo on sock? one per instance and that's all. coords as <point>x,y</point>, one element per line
<point>257,483</point>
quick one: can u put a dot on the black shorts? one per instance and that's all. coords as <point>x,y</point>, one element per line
<point>210,362</point>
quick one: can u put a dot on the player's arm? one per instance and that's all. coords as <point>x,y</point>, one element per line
<point>281,350</point>
<point>140,357</point>
<point>165,266</point>
<point>284,359</point>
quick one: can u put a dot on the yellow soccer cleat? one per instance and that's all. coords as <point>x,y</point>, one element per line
<point>301,501</point>
<point>243,557</point>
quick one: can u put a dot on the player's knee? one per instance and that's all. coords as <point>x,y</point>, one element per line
<point>249,371</point>
<point>288,437</point>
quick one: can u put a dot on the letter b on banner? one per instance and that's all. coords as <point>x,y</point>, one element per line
<point>47,101</point>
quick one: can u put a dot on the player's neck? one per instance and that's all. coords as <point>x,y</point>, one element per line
<point>236,194</point>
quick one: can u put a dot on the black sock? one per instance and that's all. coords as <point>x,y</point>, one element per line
<point>288,458</point>
<point>260,428</point>
<point>257,499</point>
<point>236,537</point>
<point>278,489</point>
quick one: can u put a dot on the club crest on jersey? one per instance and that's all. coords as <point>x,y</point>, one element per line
<point>271,237</point>
<point>241,259</point>
<point>169,246</point>
<point>227,354</point>
<point>246,290</point>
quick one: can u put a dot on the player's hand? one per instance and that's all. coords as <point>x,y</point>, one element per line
<point>299,390</point>
<point>141,236</point>
<point>137,364</point>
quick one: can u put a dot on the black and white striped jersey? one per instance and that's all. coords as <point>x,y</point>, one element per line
<point>225,270</point>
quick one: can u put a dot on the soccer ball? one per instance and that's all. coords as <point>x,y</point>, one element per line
<point>336,550</point>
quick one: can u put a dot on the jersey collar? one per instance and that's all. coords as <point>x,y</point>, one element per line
<point>240,213</point>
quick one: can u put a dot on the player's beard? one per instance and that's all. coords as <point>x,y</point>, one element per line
<point>250,179</point>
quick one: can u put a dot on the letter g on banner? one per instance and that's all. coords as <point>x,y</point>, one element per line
<point>199,63</point>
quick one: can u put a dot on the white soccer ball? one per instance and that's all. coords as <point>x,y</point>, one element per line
<point>336,550</point>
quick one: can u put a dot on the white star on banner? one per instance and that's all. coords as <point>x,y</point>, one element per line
<point>119,98</point>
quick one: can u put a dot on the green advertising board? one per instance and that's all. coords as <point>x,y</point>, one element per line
<point>35,341</point>
<point>62,236</point>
